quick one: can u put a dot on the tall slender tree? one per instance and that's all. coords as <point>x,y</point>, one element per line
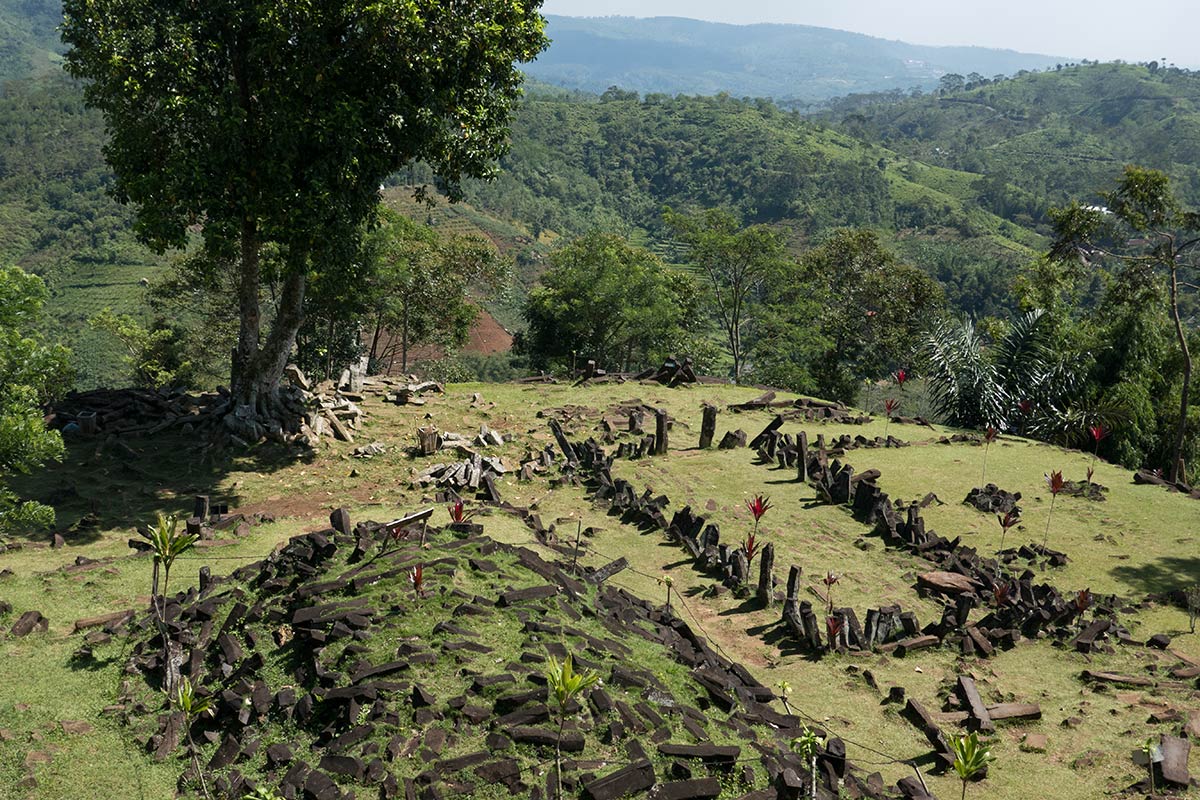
<point>734,261</point>
<point>271,124</point>
<point>1143,226</point>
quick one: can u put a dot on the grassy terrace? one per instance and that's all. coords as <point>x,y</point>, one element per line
<point>1138,541</point>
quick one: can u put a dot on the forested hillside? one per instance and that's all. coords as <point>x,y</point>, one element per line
<point>29,43</point>
<point>795,63</point>
<point>1045,137</point>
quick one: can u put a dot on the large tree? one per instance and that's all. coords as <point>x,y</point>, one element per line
<point>735,262</point>
<point>1144,228</point>
<point>32,373</point>
<point>607,300</point>
<point>271,123</point>
<point>419,291</point>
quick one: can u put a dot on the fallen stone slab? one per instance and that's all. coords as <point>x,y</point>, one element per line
<point>1014,711</point>
<point>29,622</point>
<point>571,742</point>
<point>980,720</point>
<point>625,782</point>
<point>102,620</point>
<point>692,789</point>
<point>1113,677</point>
<point>947,582</point>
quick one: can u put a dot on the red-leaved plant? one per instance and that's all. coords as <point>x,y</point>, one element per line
<point>833,626</point>
<point>1001,592</point>
<point>759,506</point>
<point>829,580</point>
<point>1083,601</point>
<point>1007,521</point>
<point>458,512</point>
<point>1054,482</point>
<point>990,435</point>
<point>901,376</point>
<point>416,576</point>
<point>889,406</point>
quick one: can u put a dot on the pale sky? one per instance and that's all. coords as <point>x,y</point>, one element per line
<point>1092,29</point>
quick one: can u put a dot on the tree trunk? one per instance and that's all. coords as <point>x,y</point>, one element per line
<point>250,326</point>
<point>273,357</point>
<point>404,340</point>
<point>1184,394</point>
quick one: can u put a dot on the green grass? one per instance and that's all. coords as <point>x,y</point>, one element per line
<point>1145,546</point>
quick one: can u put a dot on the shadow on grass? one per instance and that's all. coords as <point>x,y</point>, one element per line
<point>1160,575</point>
<point>101,486</point>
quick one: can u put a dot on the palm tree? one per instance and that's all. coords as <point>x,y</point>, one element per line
<point>565,685</point>
<point>971,757</point>
<point>973,384</point>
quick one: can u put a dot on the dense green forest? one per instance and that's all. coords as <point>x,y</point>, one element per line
<point>1043,138</point>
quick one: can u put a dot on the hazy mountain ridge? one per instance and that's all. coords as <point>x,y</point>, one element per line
<point>676,55</point>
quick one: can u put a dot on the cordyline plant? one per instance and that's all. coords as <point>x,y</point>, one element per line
<point>889,406</point>
<point>167,544</point>
<point>1192,596</point>
<point>1001,592</point>
<point>458,512</point>
<point>971,757</point>
<point>1054,482</point>
<point>416,576</point>
<point>193,707</point>
<point>833,627</point>
<point>759,506</point>
<point>901,376</point>
<point>807,745</point>
<point>1083,601</point>
<point>565,685</point>
<point>1007,521</point>
<point>785,691</point>
<point>1148,749</point>
<point>669,582</point>
<point>990,435</point>
<point>829,580</point>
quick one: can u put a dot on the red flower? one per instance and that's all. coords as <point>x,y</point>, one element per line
<point>890,405</point>
<point>1098,432</point>
<point>758,506</point>
<point>1055,482</point>
<point>990,434</point>
<point>901,376</point>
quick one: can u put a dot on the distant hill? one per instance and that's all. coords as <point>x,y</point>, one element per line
<point>1047,137</point>
<point>29,43</point>
<point>786,62</point>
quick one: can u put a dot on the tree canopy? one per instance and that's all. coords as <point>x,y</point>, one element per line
<point>607,300</point>
<point>275,122</point>
<point>32,374</point>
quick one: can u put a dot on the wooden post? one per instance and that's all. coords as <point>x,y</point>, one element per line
<point>708,428</point>
<point>660,431</point>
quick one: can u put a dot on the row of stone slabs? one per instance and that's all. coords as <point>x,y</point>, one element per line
<point>718,680</point>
